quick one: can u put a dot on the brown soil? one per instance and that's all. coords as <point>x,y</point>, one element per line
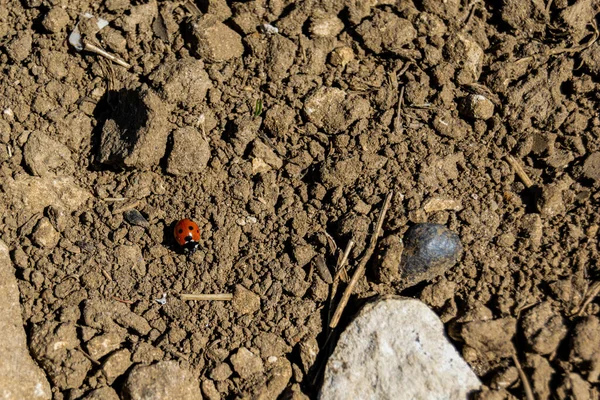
<point>358,98</point>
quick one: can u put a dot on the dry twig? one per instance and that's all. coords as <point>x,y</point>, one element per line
<point>208,297</point>
<point>526,385</point>
<point>360,270</point>
<point>340,269</point>
<point>516,165</point>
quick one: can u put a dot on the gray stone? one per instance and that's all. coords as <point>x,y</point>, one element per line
<point>396,349</point>
<point>134,217</point>
<point>429,251</point>
<point>161,381</point>
<point>20,377</point>
<point>190,153</point>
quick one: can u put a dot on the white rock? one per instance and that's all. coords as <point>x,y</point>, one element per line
<point>396,349</point>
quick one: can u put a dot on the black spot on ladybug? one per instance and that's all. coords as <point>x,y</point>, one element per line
<point>180,230</point>
<point>191,228</point>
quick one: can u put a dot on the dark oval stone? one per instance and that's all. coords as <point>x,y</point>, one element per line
<point>429,250</point>
<point>134,217</point>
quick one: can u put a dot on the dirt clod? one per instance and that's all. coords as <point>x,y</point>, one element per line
<point>333,109</point>
<point>246,364</point>
<point>543,328</point>
<point>214,41</point>
<point>190,152</point>
<point>386,32</point>
<point>183,81</point>
<point>44,234</point>
<point>137,136</point>
<point>161,381</point>
<point>245,301</point>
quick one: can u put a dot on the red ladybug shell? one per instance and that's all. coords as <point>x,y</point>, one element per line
<point>187,234</point>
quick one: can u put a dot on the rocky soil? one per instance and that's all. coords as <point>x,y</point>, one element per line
<point>279,126</point>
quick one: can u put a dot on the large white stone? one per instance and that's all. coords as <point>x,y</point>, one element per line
<point>396,348</point>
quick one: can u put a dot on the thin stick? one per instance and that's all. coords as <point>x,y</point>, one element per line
<point>360,270</point>
<point>397,123</point>
<point>95,49</point>
<point>123,301</point>
<point>208,297</point>
<point>95,362</point>
<point>340,268</point>
<point>526,386</point>
<point>516,165</point>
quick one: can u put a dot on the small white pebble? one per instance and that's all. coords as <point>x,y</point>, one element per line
<point>270,29</point>
<point>162,300</point>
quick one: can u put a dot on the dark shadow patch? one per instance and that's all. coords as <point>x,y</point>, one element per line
<point>120,114</point>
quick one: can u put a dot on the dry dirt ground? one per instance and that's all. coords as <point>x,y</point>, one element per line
<point>281,145</point>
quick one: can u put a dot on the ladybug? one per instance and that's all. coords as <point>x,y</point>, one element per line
<point>187,234</point>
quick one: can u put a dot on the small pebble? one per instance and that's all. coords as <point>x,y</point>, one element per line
<point>429,251</point>
<point>476,106</point>
<point>134,217</point>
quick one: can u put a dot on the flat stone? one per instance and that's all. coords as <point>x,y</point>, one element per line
<point>20,377</point>
<point>161,381</point>
<point>30,195</point>
<point>45,156</point>
<point>396,348</point>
